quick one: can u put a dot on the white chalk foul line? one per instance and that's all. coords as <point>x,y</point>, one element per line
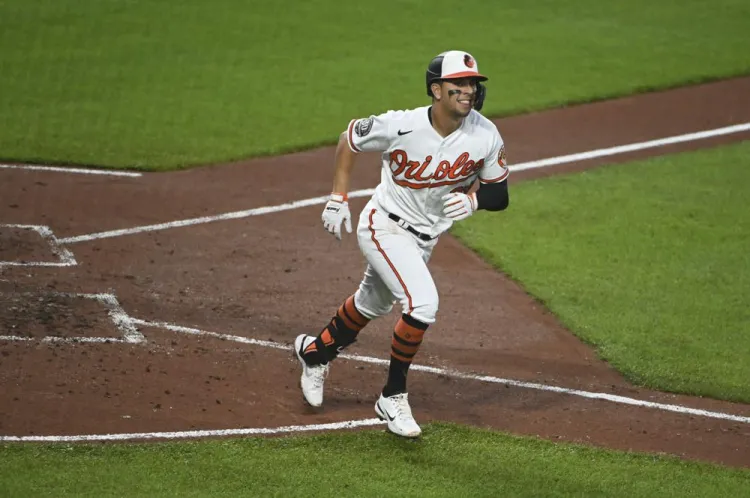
<point>209,219</point>
<point>368,192</point>
<point>622,149</point>
<point>518,167</point>
<point>80,171</point>
<point>64,256</point>
<point>464,376</point>
<point>352,424</point>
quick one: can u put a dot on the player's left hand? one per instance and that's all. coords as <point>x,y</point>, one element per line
<point>458,206</point>
<point>335,213</point>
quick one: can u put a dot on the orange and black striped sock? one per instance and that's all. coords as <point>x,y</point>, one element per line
<point>340,332</point>
<point>407,337</point>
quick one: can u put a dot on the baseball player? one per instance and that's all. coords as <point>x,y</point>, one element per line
<point>431,157</point>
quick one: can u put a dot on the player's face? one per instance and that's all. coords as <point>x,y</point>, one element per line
<point>459,95</point>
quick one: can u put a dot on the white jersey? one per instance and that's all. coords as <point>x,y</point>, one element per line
<point>420,166</point>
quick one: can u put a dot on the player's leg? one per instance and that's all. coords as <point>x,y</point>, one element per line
<point>315,353</point>
<point>372,299</point>
<point>400,261</point>
<point>410,329</point>
<point>339,333</point>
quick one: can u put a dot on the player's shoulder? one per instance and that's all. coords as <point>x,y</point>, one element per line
<point>403,118</point>
<point>405,114</point>
<point>480,123</point>
<point>484,129</point>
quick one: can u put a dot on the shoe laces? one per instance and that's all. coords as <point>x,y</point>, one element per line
<point>318,374</point>
<point>401,401</point>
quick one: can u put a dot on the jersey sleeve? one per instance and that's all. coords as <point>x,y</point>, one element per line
<point>495,167</point>
<point>371,134</point>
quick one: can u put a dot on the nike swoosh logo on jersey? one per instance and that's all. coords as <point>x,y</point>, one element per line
<point>400,133</point>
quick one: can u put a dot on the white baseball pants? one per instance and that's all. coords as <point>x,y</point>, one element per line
<point>396,270</point>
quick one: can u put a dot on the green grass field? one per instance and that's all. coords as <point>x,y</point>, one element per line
<point>449,461</point>
<point>649,262</point>
<point>156,85</point>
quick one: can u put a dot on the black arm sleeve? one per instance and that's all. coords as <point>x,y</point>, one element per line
<point>493,196</point>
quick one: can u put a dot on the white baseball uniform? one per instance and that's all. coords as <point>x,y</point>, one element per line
<point>419,167</point>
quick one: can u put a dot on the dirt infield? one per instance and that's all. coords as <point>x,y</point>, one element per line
<point>270,277</point>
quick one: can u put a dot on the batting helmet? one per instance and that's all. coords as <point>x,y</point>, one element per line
<point>456,64</point>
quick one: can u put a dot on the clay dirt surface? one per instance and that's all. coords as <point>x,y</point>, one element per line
<point>23,245</point>
<point>38,314</point>
<point>273,276</point>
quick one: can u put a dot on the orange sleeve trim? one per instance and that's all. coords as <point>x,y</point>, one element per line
<point>349,136</point>
<point>498,179</point>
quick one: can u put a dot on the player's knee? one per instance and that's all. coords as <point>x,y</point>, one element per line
<point>372,308</point>
<point>373,312</point>
<point>425,310</point>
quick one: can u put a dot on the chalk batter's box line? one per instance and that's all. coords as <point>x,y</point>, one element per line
<point>67,340</point>
<point>126,325</point>
<point>64,256</point>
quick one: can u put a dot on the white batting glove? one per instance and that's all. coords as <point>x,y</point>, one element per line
<point>335,212</point>
<point>457,206</point>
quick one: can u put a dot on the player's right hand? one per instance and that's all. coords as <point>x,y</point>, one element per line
<point>336,212</point>
<point>459,206</point>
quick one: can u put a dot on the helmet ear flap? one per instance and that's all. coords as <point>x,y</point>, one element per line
<point>433,73</point>
<point>481,94</point>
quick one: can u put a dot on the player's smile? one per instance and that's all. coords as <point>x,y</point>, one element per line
<point>466,101</point>
<point>461,94</point>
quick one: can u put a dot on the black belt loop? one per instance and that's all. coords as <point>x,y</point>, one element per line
<point>409,228</point>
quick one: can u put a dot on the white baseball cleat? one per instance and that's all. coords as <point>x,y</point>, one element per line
<point>396,411</point>
<point>313,377</point>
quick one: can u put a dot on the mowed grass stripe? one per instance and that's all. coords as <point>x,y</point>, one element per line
<point>447,461</point>
<point>649,262</point>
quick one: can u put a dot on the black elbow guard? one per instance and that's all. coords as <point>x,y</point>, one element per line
<point>493,196</point>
